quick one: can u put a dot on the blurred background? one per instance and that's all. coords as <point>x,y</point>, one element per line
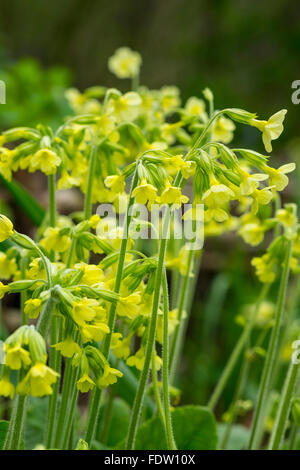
<point>246,51</point>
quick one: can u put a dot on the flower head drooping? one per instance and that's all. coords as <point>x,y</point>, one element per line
<point>38,381</point>
<point>271,129</point>
<point>45,160</point>
<point>109,376</point>
<point>6,228</point>
<point>33,308</point>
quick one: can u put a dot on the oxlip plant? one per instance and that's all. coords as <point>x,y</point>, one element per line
<point>99,296</point>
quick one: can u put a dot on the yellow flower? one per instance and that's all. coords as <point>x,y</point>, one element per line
<point>68,347</point>
<point>278,177</point>
<point>171,324</point>
<point>129,306</point>
<point>217,195</point>
<point>95,331</point>
<point>252,233</point>
<point>38,381</point>
<point>109,377</point>
<point>121,347</point>
<point>85,383</point>
<point>264,267</point>
<point>125,63</point>
<point>125,107</point>
<point>144,192</point>
<point>169,98</point>
<point>223,130</point>
<point>16,356</point>
<point>116,183</point>
<point>3,290</point>
<point>179,262</point>
<point>53,240</point>
<point>137,359</point>
<point>6,228</point>
<point>36,269</point>
<point>6,388</point>
<point>92,273</point>
<point>84,310</point>
<point>270,129</point>
<point>8,266</point>
<point>45,160</point>
<point>33,307</point>
<point>196,107</point>
<point>261,196</point>
<point>172,195</point>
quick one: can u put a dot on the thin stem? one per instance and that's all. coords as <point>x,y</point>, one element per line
<point>165,368</point>
<point>284,407</point>
<point>140,394</point>
<point>52,203</point>
<point>64,404</point>
<point>16,425</point>
<point>236,352</point>
<point>69,418</point>
<point>94,406</point>
<point>89,189</point>
<point>271,354</point>
<point>174,352</point>
<point>156,390</point>
<point>293,436</point>
<point>55,363</point>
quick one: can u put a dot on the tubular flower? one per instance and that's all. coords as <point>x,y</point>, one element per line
<point>92,273</point>
<point>45,160</point>
<point>33,308</point>
<point>68,347</point>
<point>16,356</point>
<point>116,183</point>
<point>6,228</point>
<point>3,290</point>
<point>172,195</point>
<point>144,192</point>
<point>278,177</point>
<point>95,331</point>
<point>271,129</point>
<point>85,383</point>
<point>121,347</point>
<point>129,306</point>
<point>223,130</point>
<point>54,240</point>
<point>252,233</point>
<point>6,388</point>
<point>38,381</point>
<point>125,107</point>
<point>8,266</point>
<point>264,267</point>
<point>109,377</point>
<point>125,63</point>
<point>84,310</point>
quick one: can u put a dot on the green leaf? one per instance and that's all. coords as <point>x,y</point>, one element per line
<point>119,422</point>
<point>3,431</point>
<point>27,202</point>
<point>35,422</point>
<point>194,429</point>
<point>239,436</point>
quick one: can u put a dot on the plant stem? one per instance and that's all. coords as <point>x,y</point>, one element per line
<point>16,424</point>
<point>89,189</point>
<point>52,203</point>
<point>140,394</point>
<point>284,407</point>
<point>175,344</point>
<point>156,389</point>
<point>236,352</point>
<point>69,418</point>
<point>55,363</point>
<point>94,406</point>
<point>293,437</point>
<point>64,404</point>
<point>271,354</point>
<point>165,367</point>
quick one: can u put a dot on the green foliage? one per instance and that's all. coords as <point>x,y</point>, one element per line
<point>194,429</point>
<point>3,430</point>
